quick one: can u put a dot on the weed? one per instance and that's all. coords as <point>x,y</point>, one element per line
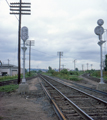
<point>8,88</point>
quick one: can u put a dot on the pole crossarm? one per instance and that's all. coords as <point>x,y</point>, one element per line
<point>22,8</point>
<point>20,3</point>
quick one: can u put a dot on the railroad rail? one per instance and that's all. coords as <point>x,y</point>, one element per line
<point>74,103</point>
<point>92,78</point>
<point>95,92</point>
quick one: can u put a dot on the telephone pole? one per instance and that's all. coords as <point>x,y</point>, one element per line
<point>8,61</point>
<point>60,54</point>
<point>19,7</point>
<point>29,43</point>
<point>63,66</point>
<point>87,66</point>
<point>91,66</point>
<point>74,64</point>
<point>82,67</point>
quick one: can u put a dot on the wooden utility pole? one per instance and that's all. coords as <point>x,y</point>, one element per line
<point>87,66</point>
<point>13,8</point>
<point>30,43</point>
<point>74,64</point>
<point>60,54</point>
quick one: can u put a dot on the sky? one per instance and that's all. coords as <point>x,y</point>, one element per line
<point>65,26</point>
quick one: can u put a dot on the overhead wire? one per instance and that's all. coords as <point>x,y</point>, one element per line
<point>9,6</point>
<point>44,53</point>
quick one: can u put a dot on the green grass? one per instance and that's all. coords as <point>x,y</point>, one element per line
<point>1,118</point>
<point>74,77</point>
<point>7,78</point>
<point>8,88</point>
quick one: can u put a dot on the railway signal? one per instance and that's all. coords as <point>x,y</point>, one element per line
<point>24,36</point>
<point>99,30</point>
<point>19,8</point>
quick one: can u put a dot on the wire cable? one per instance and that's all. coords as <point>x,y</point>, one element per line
<point>9,6</point>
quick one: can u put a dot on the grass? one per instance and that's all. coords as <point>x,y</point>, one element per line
<point>7,78</point>
<point>64,76</point>
<point>8,88</point>
<point>1,118</point>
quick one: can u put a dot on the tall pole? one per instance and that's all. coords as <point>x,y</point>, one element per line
<point>82,67</point>
<point>99,30</point>
<point>30,43</point>
<point>14,7</point>
<point>60,54</point>
<point>59,61</point>
<point>74,64</point>
<point>19,42</point>
<point>29,56</point>
<point>91,66</point>
<point>101,61</point>
<point>87,66</point>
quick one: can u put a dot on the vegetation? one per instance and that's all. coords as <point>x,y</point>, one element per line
<point>64,74</point>
<point>8,88</point>
<point>6,78</point>
<point>13,87</point>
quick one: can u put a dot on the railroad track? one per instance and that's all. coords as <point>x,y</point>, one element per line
<point>95,92</point>
<point>92,78</point>
<point>73,103</point>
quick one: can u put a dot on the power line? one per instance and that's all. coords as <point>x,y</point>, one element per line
<point>9,7</point>
<point>43,52</point>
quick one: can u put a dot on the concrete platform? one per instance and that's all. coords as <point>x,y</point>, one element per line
<point>23,88</point>
<point>102,87</point>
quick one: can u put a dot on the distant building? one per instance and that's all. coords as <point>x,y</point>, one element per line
<point>8,69</point>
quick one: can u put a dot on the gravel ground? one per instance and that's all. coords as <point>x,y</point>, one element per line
<point>33,106</point>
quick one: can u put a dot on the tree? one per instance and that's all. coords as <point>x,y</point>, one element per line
<point>49,68</point>
<point>76,69</point>
<point>105,68</point>
<point>64,71</point>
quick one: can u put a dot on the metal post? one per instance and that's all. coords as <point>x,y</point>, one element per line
<point>29,56</point>
<point>24,49</point>
<point>99,30</point>
<point>59,60</point>
<point>101,70</point>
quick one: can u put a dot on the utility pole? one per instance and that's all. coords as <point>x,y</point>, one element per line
<point>13,8</point>
<point>74,64</point>
<point>82,67</point>
<point>91,66</point>
<point>29,43</point>
<point>60,54</point>
<point>87,66</point>
<point>63,66</point>
<point>8,61</point>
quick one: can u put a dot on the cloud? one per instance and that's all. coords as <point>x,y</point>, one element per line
<point>55,25</point>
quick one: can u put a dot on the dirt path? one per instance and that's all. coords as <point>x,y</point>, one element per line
<point>34,106</point>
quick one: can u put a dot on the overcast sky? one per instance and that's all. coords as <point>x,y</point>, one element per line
<point>55,25</point>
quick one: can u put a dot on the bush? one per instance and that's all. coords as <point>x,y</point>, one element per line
<point>75,78</point>
<point>73,73</point>
<point>64,71</point>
